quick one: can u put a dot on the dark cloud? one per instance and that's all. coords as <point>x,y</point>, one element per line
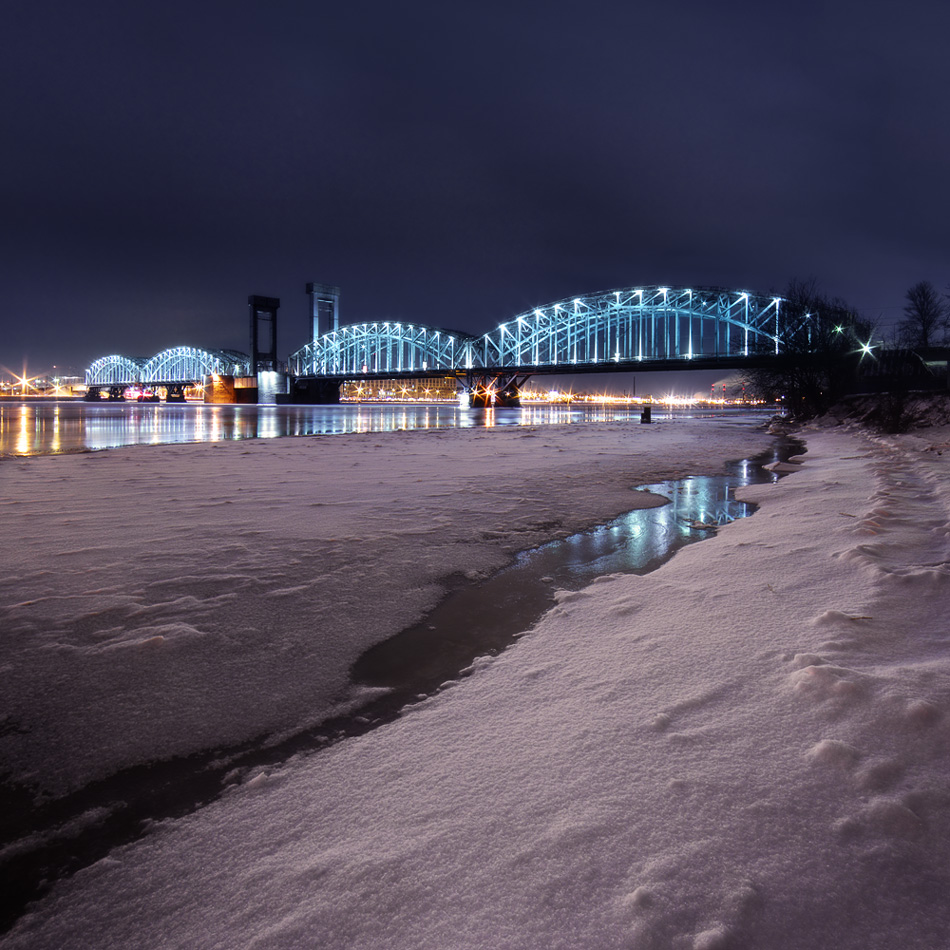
<point>454,163</point>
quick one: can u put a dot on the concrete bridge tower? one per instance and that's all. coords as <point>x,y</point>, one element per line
<point>263,344</point>
<point>272,380</point>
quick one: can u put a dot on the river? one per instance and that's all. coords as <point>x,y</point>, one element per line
<point>41,427</point>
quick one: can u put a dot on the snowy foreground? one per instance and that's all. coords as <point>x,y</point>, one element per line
<point>745,749</point>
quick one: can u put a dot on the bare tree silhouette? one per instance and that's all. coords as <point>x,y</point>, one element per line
<point>821,341</point>
<point>926,318</point>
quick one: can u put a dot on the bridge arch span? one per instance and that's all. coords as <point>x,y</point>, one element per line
<point>114,370</point>
<point>384,347</point>
<point>633,325</point>
<point>185,364</point>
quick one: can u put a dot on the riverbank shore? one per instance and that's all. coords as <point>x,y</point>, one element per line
<point>156,601</point>
<point>744,748</point>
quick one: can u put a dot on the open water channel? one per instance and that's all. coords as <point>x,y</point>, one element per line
<point>474,619</point>
<point>54,427</point>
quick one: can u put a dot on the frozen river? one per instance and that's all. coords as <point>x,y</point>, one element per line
<point>39,427</point>
<point>745,748</point>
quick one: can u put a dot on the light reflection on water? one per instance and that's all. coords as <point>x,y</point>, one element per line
<point>486,618</point>
<point>639,540</point>
<point>50,428</point>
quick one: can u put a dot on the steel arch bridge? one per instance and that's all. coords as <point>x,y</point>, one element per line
<point>187,364</point>
<point>115,371</point>
<point>179,365</point>
<point>633,326</point>
<point>384,348</point>
<point>619,329</point>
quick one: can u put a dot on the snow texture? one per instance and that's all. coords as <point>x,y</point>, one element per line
<point>747,748</point>
<point>155,601</point>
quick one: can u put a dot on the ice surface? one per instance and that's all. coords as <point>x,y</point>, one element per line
<point>159,600</point>
<point>745,749</point>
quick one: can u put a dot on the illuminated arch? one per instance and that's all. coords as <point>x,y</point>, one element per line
<point>114,371</point>
<point>635,324</point>
<point>383,347</point>
<point>182,364</point>
<point>617,326</point>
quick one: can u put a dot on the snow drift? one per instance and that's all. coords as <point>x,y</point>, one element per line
<point>746,748</point>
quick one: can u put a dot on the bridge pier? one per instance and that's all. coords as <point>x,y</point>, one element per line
<point>223,389</point>
<point>93,394</point>
<point>117,393</point>
<point>321,392</point>
<point>272,387</point>
<point>175,392</point>
<point>484,390</point>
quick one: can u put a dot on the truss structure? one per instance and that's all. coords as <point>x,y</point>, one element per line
<point>180,364</point>
<point>188,364</point>
<point>624,327</point>
<point>618,326</point>
<point>634,325</point>
<point>381,348</point>
<point>114,371</point>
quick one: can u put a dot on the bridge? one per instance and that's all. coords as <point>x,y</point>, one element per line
<point>614,331</point>
<point>173,369</point>
<point>650,327</point>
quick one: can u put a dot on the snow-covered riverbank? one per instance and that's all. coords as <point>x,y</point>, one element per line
<point>747,748</point>
<point>157,601</point>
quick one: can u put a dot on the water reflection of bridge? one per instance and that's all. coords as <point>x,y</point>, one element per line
<point>635,329</point>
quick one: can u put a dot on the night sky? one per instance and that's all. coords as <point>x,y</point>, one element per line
<point>455,163</point>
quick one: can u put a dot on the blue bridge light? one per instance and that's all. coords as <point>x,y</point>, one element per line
<point>632,326</point>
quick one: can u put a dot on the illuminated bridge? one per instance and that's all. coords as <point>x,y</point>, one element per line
<point>172,369</point>
<point>637,328</point>
<point>641,328</point>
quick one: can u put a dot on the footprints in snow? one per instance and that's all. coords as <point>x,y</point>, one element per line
<point>657,918</point>
<point>884,729</point>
